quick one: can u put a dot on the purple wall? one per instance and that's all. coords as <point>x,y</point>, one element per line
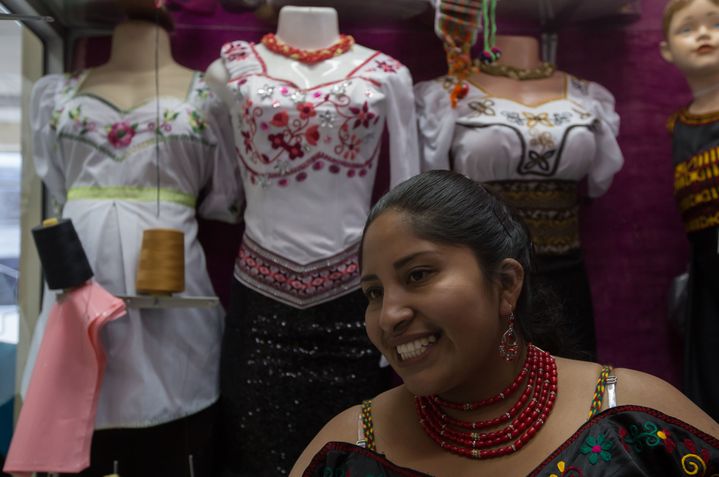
<point>632,236</point>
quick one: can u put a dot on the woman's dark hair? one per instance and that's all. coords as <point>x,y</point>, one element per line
<point>447,207</point>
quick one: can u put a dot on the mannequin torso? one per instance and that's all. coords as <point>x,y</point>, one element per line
<point>128,78</point>
<point>307,28</point>
<point>521,52</point>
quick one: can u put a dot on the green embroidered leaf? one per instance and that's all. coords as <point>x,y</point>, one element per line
<point>606,456</point>
<point>593,458</point>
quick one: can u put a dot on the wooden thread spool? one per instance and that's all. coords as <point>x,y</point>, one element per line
<point>161,270</point>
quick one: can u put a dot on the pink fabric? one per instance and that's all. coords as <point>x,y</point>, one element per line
<point>54,431</point>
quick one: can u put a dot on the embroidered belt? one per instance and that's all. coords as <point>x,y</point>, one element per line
<point>550,208</point>
<point>696,189</point>
<point>300,286</point>
<point>141,194</point>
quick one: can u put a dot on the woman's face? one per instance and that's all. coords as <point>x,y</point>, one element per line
<point>432,312</point>
<point>693,38</point>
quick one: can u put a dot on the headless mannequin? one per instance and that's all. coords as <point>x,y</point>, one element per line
<point>128,78</point>
<point>308,28</point>
<point>521,52</point>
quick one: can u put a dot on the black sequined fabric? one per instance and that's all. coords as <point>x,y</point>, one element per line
<point>286,372</point>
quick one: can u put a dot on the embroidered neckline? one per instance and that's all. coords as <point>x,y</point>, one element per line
<point>695,119</point>
<point>545,70</point>
<point>276,45</point>
<point>564,97</point>
<point>265,73</point>
<point>80,78</point>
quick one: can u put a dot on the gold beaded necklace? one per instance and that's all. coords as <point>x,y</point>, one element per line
<point>545,70</point>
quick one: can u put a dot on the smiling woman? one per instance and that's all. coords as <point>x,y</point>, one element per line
<point>443,268</point>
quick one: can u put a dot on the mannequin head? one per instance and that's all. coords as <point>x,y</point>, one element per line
<point>691,32</point>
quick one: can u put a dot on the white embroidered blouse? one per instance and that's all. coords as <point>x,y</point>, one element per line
<point>490,138</point>
<point>308,162</point>
<point>99,163</point>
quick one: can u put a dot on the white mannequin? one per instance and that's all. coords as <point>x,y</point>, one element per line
<point>309,28</point>
<point>521,52</point>
<point>128,78</point>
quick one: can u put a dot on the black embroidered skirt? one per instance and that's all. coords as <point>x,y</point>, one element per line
<point>286,372</point>
<point>564,279</point>
<point>701,360</point>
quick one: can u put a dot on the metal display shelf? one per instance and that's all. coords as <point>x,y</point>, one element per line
<point>159,301</point>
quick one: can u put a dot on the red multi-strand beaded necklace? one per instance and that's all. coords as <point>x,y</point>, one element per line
<point>278,46</point>
<point>519,424</point>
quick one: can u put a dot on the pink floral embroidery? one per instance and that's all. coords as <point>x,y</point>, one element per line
<point>120,134</point>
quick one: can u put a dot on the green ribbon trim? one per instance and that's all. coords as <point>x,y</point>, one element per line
<point>143,194</point>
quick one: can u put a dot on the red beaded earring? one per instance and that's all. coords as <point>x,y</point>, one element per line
<point>508,344</point>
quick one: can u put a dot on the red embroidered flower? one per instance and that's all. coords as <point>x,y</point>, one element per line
<point>353,147</point>
<point>276,140</point>
<point>307,110</point>
<point>295,150</point>
<point>386,67</point>
<point>235,52</point>
<point>121,134</point>
<point>363,116</point>
<point>247,140</point>
<point>312,135</point>
<point>280,119</point>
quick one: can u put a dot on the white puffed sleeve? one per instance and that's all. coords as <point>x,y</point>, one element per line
<point>402,127</point>
<point>608,159</point>
<point>222,192</point>
<point>46,154</point>
<point>436,120</point>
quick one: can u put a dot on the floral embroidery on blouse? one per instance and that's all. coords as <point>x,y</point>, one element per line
<point>566,470</point>
<point>122,137</point>
<point>650,435</point>
<point>328,118</point>
<point>597,447</point>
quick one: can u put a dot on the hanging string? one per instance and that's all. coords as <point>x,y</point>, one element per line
<point>158,5</point>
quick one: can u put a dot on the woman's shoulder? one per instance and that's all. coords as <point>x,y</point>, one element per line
<point>635,388</point>
<point>642,389</point>
<point>344,427</point>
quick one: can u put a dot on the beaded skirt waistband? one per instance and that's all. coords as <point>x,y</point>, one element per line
<point>550,208</point>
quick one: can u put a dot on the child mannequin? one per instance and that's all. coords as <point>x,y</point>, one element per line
<point>691,40</point>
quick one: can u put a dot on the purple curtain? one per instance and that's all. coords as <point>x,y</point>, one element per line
<point>632,236</point>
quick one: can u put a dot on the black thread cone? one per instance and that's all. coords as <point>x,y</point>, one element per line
<point>62,256</point>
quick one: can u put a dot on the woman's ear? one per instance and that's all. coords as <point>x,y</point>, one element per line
<point>512,279</point>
